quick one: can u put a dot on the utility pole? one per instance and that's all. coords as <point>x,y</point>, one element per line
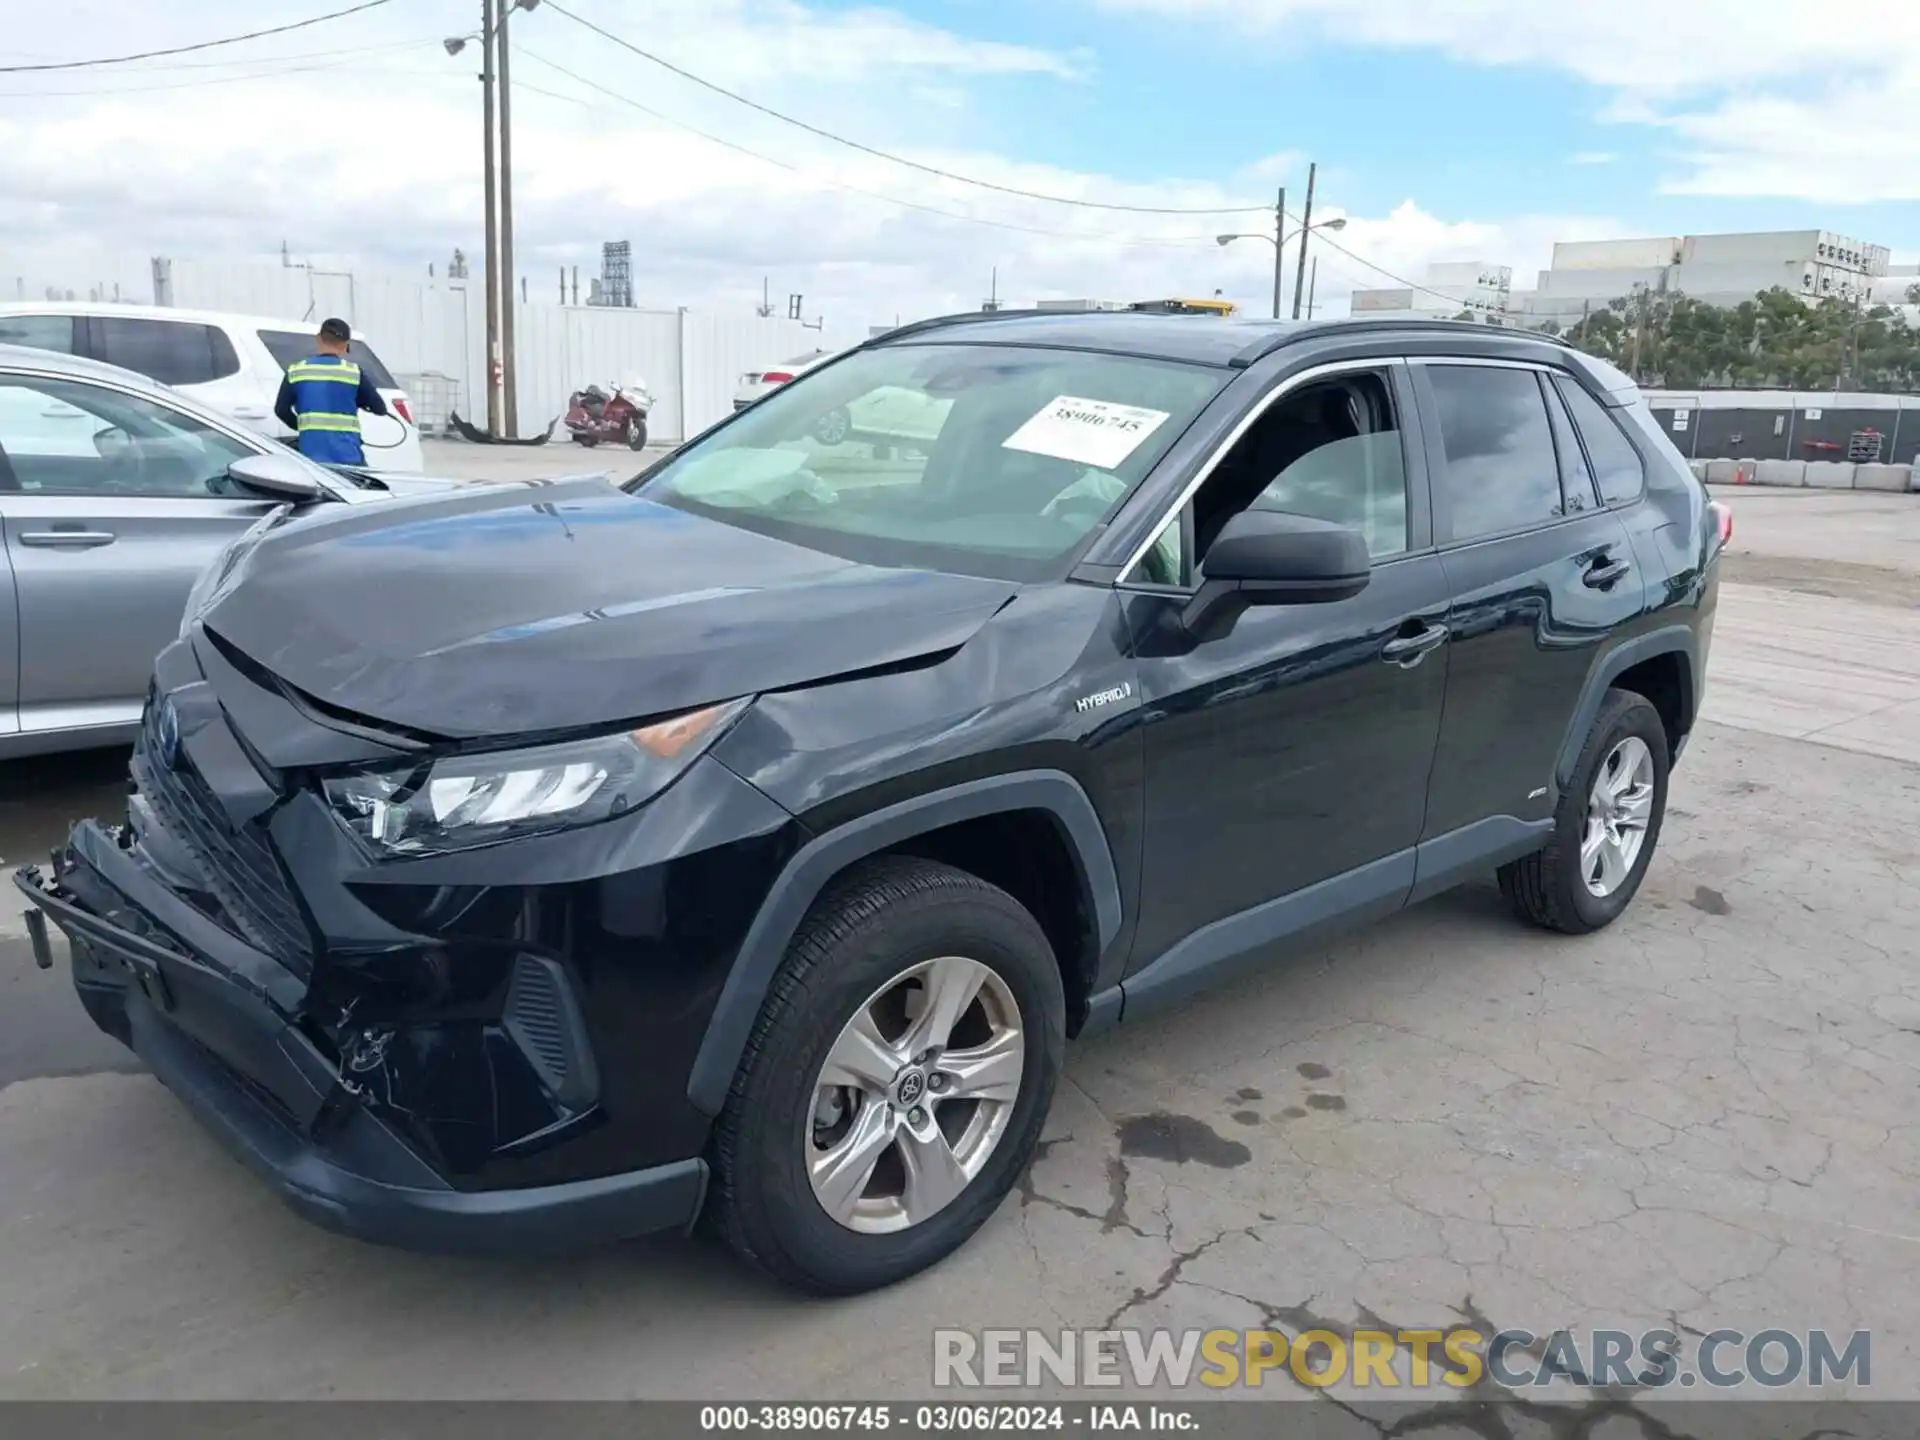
<point>1313,284</point>
<point>1306,226</point>
<point>493,220</point>
<point>511,413</point>
<point>1279,248</point>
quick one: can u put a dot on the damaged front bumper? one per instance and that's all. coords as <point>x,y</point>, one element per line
<point>217,1022</point>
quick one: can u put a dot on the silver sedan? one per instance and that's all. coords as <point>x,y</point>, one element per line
<point>116,493</point>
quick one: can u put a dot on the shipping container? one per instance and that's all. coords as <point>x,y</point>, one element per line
<point>1602,285</point>
<point>1733,282</point>
<point>1639,254</point>
<point>1754,247</point>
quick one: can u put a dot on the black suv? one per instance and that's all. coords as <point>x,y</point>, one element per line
<point>539,865</point>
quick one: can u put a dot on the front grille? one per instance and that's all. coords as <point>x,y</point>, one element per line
<point>239,865</point>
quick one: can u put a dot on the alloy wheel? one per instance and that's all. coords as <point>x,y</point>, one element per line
<point>1619,808</point>
<point>915,1095</point>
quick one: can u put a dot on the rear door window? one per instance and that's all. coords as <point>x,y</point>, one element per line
<point>39,332</point>
<point>1501,472</point>
<point>174,352</point>
<point>288,347</point>
<point>1576,479</point>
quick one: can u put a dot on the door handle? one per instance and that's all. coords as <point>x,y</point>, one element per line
<point>1605,572</point>
<point>67,539</point>
<point>1407,651</point>
<point>249,412</point>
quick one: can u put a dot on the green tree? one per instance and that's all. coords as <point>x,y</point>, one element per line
<point>1777,339</point>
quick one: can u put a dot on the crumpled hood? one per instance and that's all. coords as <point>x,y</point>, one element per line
<point>511,611</point>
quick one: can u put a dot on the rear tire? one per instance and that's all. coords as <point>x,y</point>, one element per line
<point>1570,889</point>
<point>883,930</point>
<point>587,440</point>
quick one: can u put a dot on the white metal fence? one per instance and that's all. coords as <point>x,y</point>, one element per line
<point>692,360</point>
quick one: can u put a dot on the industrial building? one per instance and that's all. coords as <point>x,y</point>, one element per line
<point>1716,269</point>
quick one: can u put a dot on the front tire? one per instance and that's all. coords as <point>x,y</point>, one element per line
<point>1605,827</point>
<point>895,1085</point>
<point>637,435</point>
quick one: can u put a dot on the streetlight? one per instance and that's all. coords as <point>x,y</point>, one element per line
<point>1280,243</point>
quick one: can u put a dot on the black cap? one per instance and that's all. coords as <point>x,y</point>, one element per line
<point>336,331</point>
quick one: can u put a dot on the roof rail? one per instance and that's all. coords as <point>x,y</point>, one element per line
<point>1301,330</point>
<point>965,317</point>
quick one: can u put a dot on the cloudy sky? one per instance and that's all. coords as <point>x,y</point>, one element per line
<point>1480,129</point>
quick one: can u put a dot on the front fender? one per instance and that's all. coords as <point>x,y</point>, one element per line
<point>820,860</point>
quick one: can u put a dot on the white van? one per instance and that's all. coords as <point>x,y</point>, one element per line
<point>233,363</point>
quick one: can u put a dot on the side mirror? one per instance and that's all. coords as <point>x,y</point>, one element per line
<point>1262,557</point>
<point>280,477</point>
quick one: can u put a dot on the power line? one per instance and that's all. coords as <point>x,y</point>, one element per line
<point>294,55</point>
<point>256,75</point>
<point>186,49</point>
<point>1175,242</point>
<point>888,155</point>
<point>1322,238</point>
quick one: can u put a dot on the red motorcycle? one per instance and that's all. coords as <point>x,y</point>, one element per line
<point>594,415</point>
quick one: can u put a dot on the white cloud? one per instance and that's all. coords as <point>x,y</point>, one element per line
<point>374,162</point>
<point>1765,97</point>
<point>1850,142</point>
<point>1592,157</point>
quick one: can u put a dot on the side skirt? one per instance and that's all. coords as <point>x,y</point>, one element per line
<point>1236,944</point>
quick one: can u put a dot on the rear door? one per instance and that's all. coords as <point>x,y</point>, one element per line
<point>1541,575</point>
<point>111,505</point>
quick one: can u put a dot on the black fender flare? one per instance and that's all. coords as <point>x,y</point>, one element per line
<point>1667,640</point>
<point>822,858</point>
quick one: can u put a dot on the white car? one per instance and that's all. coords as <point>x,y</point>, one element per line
<point>233,363</point>
<point>756,383</point>
<point>887,415</point>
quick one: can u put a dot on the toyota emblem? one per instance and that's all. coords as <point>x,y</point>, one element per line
<point>167,734</point>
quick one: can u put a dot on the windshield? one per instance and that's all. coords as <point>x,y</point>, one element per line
<point>983,459</point>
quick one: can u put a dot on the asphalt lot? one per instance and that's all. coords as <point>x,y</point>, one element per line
<point>1704,1117</point>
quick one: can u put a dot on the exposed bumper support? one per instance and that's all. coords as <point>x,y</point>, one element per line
<point>273,1099</point>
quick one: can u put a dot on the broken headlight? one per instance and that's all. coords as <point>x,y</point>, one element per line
<point>459,801</point>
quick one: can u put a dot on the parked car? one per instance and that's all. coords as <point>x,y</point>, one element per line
<point>515,870</point>
<point>757,383</point>
<point>233,363</point>
<point>889,415</point>
<point>115,495</point>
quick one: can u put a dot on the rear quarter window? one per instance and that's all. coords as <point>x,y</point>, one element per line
<point>289,346</point>
<point>1617,467</point>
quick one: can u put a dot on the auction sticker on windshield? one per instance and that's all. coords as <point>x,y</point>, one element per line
<point>1087,432</point>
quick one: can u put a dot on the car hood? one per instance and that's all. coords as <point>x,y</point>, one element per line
<point>504,611</point>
